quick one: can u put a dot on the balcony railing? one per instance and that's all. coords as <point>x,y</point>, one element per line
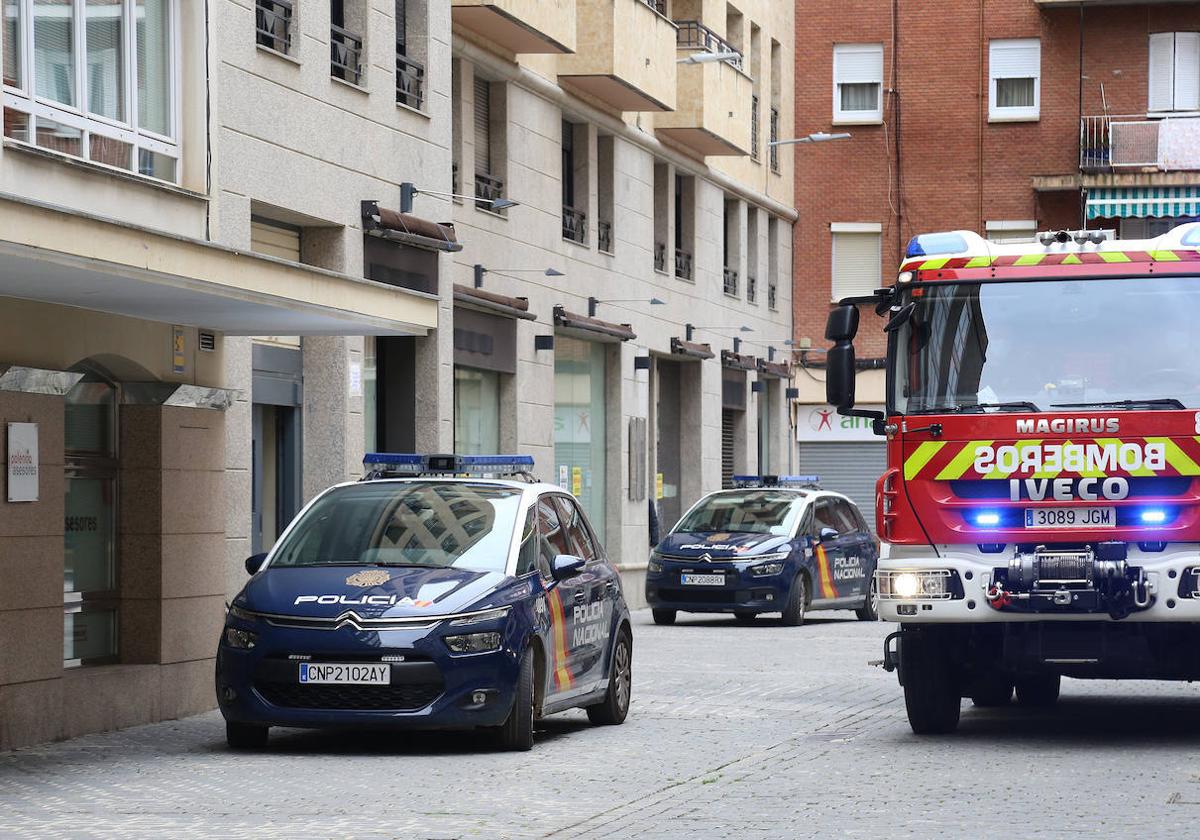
<point>660,256</point>
<point>754,128</point>
<point>731,282</point>
<point>694,35</point>
<point>772,150</point>
<point>410,82</point>
<point>273,25</point>
<point>683,264</point>
<point>771,296</point>
<point>574,224</point>
<point>1111,142</point>
<point>487,190</point>
<point>659,6</point>
<point>454,178</point>
<point>604,238</point>
<point>345,55</point>
<point>751,289</point>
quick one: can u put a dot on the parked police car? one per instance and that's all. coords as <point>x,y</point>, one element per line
<point>771,544</point>
<point>428,597</point>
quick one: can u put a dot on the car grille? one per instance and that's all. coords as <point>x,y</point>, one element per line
<point>408,697</point>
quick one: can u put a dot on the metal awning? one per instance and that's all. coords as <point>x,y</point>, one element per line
<point>774,370</point>
<point>1142,202</point>
<point>512,307</point>
<point>591,328</point>
<point>680,347</point>
<point>409,229</point>
<point>738,361</point>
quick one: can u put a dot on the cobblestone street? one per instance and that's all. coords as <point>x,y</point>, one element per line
<point>759,731</point>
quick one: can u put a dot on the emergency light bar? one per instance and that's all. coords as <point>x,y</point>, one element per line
<point>397,465</point>
<point>776,481</point>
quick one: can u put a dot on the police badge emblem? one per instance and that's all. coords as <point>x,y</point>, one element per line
<point>370,577</point>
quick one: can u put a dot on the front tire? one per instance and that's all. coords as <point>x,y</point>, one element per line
<point>793,611</point>
<point>869,611</point>
<point>663,617</point>
<point>930,691</point>
<point>1039,691</point>
<point>615,707</point>
<point>516,733</point>
<point>245,736</point>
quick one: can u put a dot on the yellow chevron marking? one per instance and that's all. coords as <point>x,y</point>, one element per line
<point>1029,259</point>
<point>938,262</point>
<point>1164,256</point>
<point>1071,259</point>
<point>1113,256</point>
<point>962,461</point>
<point>979,262</point>
<point>1176,457</point>
<point>920,457</point>
<point>1021,445</point>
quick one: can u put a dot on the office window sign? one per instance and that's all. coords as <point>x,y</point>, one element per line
<point>22,462</point>
<point>821,423</point>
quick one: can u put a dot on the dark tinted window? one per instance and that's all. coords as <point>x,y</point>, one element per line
<point>824,517</point>
<point>576,528</point>
<point>844,515</point>
<point>552,538</point>
<point>527,558</point>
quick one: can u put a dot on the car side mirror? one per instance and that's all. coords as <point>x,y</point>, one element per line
<point>566,565</point>
<point>827,534</point>
<point>254,563</point>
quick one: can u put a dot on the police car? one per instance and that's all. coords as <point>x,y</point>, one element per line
<point>428,595</point>
<point>770,544</point>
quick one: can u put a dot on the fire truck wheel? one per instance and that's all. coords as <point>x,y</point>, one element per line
<point>1041,690</point>
<point>930,691</point>
<point>793,611</point>
<point>995,690</point>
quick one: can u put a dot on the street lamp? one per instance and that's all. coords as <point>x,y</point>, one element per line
<point>815,137</point>
<point>594,302</point>
<point>480,271</point>
<point>408,191</point>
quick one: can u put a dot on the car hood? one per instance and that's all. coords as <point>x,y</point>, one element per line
<point>370,591</point>
<point>721,546</point>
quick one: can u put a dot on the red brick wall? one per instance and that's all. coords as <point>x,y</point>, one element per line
<point>956,169</point>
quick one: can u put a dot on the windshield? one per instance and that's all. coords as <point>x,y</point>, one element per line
<point>752,511</point>
<point>1047,345</point>
<point>468,526</point>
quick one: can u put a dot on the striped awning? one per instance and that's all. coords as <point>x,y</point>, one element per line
<point>1142,202</point>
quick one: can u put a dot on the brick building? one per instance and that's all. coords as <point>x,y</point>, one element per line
<point>1002,118</point>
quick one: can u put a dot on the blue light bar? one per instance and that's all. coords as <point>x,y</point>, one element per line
<point>1192,237</point>
<point>395,464</point>
<point>775,480</point>
<point>935,243</point>
<point>987,519</point>
<point>1154,517</point>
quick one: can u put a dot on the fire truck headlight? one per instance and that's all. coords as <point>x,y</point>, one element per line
<point>917,585</point>
<point>906,585</point>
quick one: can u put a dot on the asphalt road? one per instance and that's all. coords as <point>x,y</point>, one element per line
<point>755,731</point>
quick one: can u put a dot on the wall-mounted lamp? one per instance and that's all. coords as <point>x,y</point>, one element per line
<point>815,137</point>
<point>594,302</point>
<point>543,342</point>
<point>708,57</point>
<point>641,362</point>
<point>691,328</point>
<point>409,191</point>
<point>480,271</point>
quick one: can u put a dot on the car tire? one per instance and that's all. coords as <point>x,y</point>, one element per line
<point>745,616</point>
<point>992,691</point>
<point>869,611</point>
<point>931,695</point>
<point>516,733</point>
<point>797,602</point>
<point>245,736</point>
<point>1039,691</point>
<point>615,707</point>
<point>663,617</point>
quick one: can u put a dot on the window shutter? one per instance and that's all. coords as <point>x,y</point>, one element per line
<point>275,240</point>
<point>483,127</point>
<point>858,63</point>
<point>1015,59</point>
<point>402,27</point>
<point>1162,71</point>
<point>856,264</point>
<point>1187,71</point>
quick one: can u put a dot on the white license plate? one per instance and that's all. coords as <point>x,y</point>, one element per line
<point>703,580</point>
<point>1070,517</point>
<point>337,673</point>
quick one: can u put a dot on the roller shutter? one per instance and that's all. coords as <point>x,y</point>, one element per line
<point>483,127</point>
<point>728,422</point>
<point>275,240</point>
<point>847,468</point>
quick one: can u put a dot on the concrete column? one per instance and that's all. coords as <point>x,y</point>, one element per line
<point>433,372</point>
<point>329,443</point>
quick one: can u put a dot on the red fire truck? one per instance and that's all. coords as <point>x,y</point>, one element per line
<point>1041,504</point>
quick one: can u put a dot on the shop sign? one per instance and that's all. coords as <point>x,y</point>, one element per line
<point>822,423</point>
<point>178,351</point>
<point>22,462</point>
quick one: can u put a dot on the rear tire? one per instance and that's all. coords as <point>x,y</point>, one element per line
<point>1039,691</point>
<point>245,736</point>
<point>930,692</point>
<point>663,617</point>
<point>793,611</point>
<point>516,733</point>
<point>993,691</point>
<point>615,707</point>
<point>745,616</point>
<point>869,611</point>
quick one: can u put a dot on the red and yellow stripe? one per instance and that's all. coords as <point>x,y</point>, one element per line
<point>558,630</point>
<point>828,590</point>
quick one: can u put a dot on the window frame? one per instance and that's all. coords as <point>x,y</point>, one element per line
<point>1014,113</point>
<point>853,229</point>
<point>26,100</point>
<point>843,117</point>
<point>569,508</point>
<point>1174,110</point>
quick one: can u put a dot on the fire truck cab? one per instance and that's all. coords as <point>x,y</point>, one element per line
<point>1041,503</point>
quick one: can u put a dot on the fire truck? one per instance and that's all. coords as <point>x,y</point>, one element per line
<point>1040,508</point>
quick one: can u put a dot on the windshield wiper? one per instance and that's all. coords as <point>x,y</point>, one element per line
<point>966,409</point>
<point>1159,402</point>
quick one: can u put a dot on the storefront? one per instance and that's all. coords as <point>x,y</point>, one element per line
<point>580,422</point>
<point>843,451</point>
<point>735,370</point>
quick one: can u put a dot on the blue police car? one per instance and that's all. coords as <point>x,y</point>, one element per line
<point>428,596</point>
<point>770,544</point>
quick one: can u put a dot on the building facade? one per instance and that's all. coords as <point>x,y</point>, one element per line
<point>996,117</point>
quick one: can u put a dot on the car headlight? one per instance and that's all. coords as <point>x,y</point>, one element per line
<point>479,618</point>
<point>474,642</point>
<point>916,585</point>
<point>768,564</point>
<point>241,639</point>
<point>243,614</point>
<point>655,565</point>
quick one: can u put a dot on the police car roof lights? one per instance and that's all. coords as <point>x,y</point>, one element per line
<point>411,465</point>
<point>776,481</point>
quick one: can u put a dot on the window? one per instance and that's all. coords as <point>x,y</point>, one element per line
<point>273,25</point>
<point>1015,70</point>
<point>95,79</point>
<point>410,71</point>
<point>476,411</point>
<point>1174,71</point>
<point>731,251</point>
<point>605,183</point>
<point>662,201</point>
<point>528,555</point>
<point>857,83</point>
<point>577,529</point>
<point>346,24</point>
<point>685,225</point>
<point>772,263</point>
<point>823,517</point>
<point>574,182</point>
<point>1011,231</point>
<point>856,259</point>
<point>552,537</point>
<point>488,135</point>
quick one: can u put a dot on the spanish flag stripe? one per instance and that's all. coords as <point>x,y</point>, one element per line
<point>558,628</point>
<point>827,587</point>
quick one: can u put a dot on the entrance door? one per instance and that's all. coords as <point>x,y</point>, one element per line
<point>275,497</point>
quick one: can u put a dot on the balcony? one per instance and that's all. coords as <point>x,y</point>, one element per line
<point>604,237</point>
<point>660,257</point>
<point>519,26</point>
<point>1134,143</point>
<point>751,289</point>
<point>410,82</point>
<point>772,295</point>
<point>574,225</point>
<point>626,55</point>
<point>273,25</point>
<point>731,283</point>
<point>487,190</point>
<point>683,264</point>
<point>713,99</point>
<point>345,55</point>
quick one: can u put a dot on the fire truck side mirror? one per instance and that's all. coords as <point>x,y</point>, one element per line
<point>839,375</point>
<point>842,324</point>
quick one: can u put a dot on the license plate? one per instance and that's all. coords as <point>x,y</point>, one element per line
<point>703,580</point>
<point>336,673</point>
<point>1070,517</point>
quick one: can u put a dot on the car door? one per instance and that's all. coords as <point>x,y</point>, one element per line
<point>828,551</point>
<point>561,597</point>
<point>856,548</point>
<point>591,616</point>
